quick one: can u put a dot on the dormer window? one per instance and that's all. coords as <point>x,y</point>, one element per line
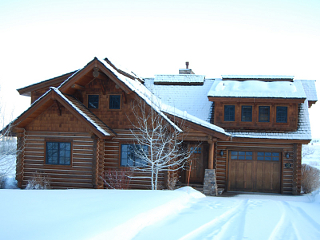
<point>264,113</point>
<point>281,114</point>
<point>114,101</point>
<point>93,101</point>
<point>229,113</point>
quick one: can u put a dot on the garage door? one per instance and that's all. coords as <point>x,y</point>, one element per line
<point>254,171</point>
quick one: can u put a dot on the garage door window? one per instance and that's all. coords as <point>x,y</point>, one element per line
<point>268,156</point>
<point>241,155</point>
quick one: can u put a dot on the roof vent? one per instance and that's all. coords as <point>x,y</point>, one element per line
<point>186,70</point>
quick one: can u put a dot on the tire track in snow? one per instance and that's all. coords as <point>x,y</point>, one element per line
<point>220,226</point>
<point>294,218</point>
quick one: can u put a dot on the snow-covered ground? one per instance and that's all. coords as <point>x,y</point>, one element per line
<point>180,214</point>
<point>311,153</point>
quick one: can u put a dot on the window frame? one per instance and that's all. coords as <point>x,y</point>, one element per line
<point>109,101</point>
<point>225,114</point>
<point>286,117</point>
<point>259,113</point>
<point>88,104</point>
<point>58,161</point>
<point>127,160</point>
<point>242,116</point>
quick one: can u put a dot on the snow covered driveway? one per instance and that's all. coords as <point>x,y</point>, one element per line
<point>243,217</point>
<point>180,214</point>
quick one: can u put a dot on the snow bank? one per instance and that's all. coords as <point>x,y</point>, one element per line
<point>85,214</point>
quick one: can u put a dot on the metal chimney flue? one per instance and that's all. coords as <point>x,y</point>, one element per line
<point>187,65</point>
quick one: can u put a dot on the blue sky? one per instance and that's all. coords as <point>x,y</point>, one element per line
<point>43,39</point>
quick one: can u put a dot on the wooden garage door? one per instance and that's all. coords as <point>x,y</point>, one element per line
<point>254,171</point>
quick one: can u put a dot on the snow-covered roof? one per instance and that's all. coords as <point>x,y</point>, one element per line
<point>257,89</point>
<point>159,106</point>
<point>89,116</point>
<point>310,89</point>
<point>258,77</point>
<point>179,79</point>
<point>303,132</point>
<point>190,98</point>
<point>186,116</point>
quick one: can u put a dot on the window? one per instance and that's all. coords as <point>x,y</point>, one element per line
<point>229,113</point>
<point>268,156</point>
<point>264,114</point>
<point>195,149</point>
<point>246,113</point>
<point>281,114</point>
<point>93,101</point>
<point>58,153</point>
<point>114,101</point>
<point>130,154</point>
<point>241,155</point>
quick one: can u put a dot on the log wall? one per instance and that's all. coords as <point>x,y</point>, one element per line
<point>112,151</point>
<point>77,175</point>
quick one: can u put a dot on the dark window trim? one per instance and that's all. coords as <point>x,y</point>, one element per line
<point>58,141</point>
<point>121,154</point>
<point>259,112</point>
<point>229,117</point>
<point>242,113</point>
<point>88,101</point>
<point>286,117</point>
<point>109,102</point>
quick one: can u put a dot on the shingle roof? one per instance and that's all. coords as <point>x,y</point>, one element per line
<point>310,89</point>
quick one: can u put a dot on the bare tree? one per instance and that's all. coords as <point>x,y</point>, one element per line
<point>7,146</point>
<point>158,143</point>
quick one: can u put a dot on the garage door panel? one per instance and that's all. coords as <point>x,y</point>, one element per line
<point>259,174</point>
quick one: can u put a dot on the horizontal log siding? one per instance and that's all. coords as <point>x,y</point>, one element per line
<point>78,175</point>
<point>288,177</point>
<point>112,149</point>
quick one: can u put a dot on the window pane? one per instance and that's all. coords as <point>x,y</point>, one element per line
<point>229,112</point>
<point>58,153</point>
<point>234,153</point>
<point>114,102</point>
<point>246,113</point>
<point>264,114</point>
<point>281,114</point>
<point>93,101</point>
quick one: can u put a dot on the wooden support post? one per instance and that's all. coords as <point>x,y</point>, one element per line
<point>211,155</point>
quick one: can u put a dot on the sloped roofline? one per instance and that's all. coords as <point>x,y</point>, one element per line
<point>26,91</point>
<point>55,95</point>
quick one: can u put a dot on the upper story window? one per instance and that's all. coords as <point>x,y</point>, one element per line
<point>114,101</point>
<point>93,101</point>
<point>229,112</point>
<point>264,113</point>
<point>131,155</point>
<point>58,153</point>
<point>281,114</point>
<point>246,113</point>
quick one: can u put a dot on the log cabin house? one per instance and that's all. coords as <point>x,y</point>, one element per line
<point>250,128</point>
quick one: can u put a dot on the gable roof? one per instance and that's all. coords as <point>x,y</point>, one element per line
<point>26,91</point>
<point>75,107</point>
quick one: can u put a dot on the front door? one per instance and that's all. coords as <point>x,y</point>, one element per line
<point>195,168</point>
<point>254,171</point>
